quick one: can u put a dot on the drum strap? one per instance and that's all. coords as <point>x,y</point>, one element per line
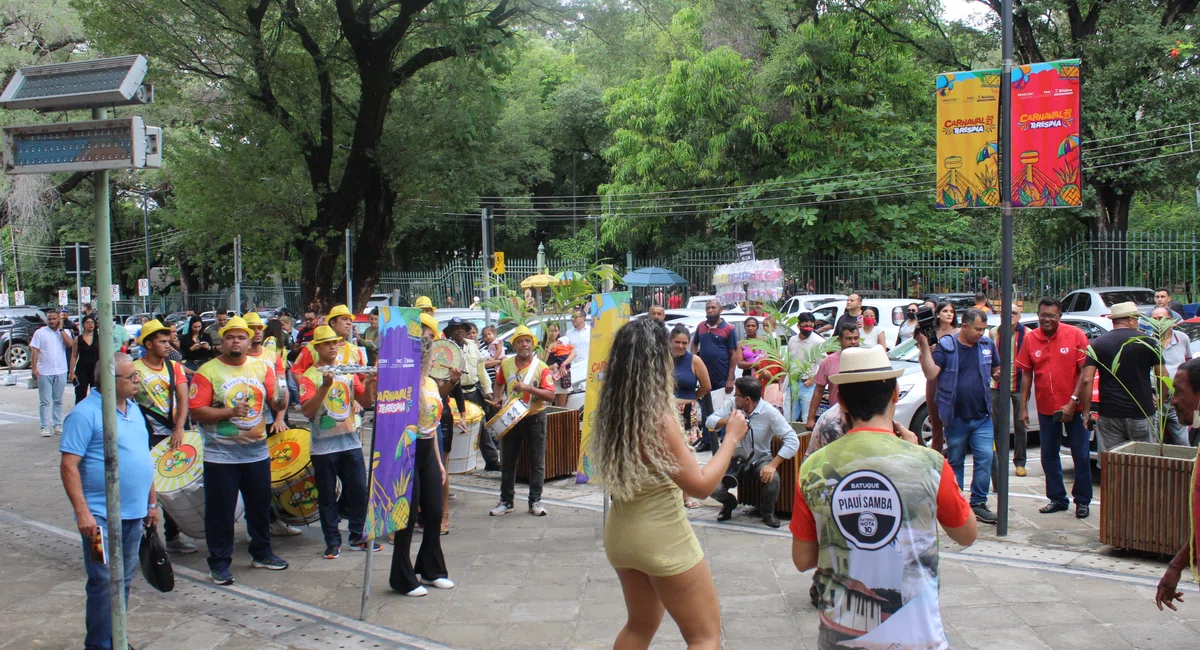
<point>168,420</point>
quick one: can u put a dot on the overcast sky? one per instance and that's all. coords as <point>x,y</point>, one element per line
<point>964,10</point>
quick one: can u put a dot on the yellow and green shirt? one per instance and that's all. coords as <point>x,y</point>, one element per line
<point>335,428</point>
<point>220,384</point>
<point>154,393</point>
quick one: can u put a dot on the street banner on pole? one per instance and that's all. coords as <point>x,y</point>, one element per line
<point>1045,135</point>
<point>85,294</point>
<point>63,298</point>
<point>19,298</point>
<point>968,130</point>
<point>608,311</point>
<point>143,286</point>
<point>393,445</point>
<point>116,292</point>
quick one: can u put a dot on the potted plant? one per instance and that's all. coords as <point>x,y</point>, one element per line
<point>1147,485</point>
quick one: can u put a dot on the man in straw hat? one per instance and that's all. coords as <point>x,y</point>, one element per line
<point>228,398</point>
<point>163,398</point>
<point>964,366</point>
<point>1126,397</point>
<point>529,378</point>
<point>879,500</point>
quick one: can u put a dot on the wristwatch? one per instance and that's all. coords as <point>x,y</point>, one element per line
<point>1075,399</point>
<point>153,506</point>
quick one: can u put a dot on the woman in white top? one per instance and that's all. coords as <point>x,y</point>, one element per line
<point>870,336</point>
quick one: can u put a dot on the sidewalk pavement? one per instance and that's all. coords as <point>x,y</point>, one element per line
<point>526,582</point>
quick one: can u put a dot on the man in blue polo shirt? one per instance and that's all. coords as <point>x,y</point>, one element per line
<point>82,470</point>
<point>715,343</point>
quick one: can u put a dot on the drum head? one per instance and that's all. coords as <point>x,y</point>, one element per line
<point>289,453</point>
<point>474,413</point>
<point>178,468</point>
<point>444,355</point>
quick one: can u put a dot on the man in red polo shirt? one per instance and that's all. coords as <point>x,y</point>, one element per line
<point>1052,358</point>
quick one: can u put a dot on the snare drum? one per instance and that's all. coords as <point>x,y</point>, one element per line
<point>507,417</point>
<point>179,480</point>
<point>466,443</point>
<point>293,484</point>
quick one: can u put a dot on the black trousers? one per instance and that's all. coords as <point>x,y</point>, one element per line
<point>750,472</point>
<point>347,466</point>
<point>83,381</point>
<point>427,493</point>
<point>532,431</point>
<point>222,483</point>
<point>172,529</point>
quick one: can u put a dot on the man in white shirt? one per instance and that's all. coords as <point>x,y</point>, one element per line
<point>1176,348</point>
<point>51,345</point>
<point>806,339</point>
<point>580,335</point>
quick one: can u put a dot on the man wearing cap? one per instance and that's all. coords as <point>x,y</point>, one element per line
<point>425,305</point>
<point>866,514</point>
<point>228,397</point>
<point>1127,397</point>
<point>276,416</point>
<point>964,366</point>
<point>754,450</point>
<point>327,401</point>
<point>476,386</point>
<point>341,321</point>
<point>529,378</point>
<point>163,398</point>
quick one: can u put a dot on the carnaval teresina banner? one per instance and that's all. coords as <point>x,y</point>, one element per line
<point>393,445</point>
<point>968,104</point>
<point>1045,135</point>
<point>608,311</point>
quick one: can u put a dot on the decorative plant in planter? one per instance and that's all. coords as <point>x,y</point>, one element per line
<point>1140,474</point>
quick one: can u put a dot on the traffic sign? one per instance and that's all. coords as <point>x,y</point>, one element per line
<point>3,299</point>
<point>498,263</point>
<point>85,294</point>
<point>63,299</point>
<point>143,286</point>
<point>19,298</point>
<point>116,292</point>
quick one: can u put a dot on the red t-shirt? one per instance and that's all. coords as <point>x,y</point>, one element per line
<point>1055,363</point>
<point>674,302</point>
<point>952,508</point>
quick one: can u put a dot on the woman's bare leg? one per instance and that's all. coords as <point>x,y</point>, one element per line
<point>691,599</point>
<point>645,611</point>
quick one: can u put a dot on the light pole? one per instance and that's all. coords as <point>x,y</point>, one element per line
<point>574,193</point>
<point>146,232</point>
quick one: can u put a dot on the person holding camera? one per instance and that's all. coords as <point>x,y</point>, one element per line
<point>753,459</point>
<point>1052,361</point>
<point>964,366</point>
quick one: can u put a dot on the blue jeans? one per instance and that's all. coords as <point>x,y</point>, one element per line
<point>801,398</point>
<point>1050,433</point>
<point>293,389</point>
<point>347,466</point>
<point>50,392</point>
<point>99,615</point>
<point>222,483</point>
<point>978,436</point>
<point>713,438</point>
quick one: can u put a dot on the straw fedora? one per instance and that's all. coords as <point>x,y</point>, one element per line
<point>864,364</point>
<point>1125,310</point>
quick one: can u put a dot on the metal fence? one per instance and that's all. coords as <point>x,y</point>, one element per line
<point>1147,259</point>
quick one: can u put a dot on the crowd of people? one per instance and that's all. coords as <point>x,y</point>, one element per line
<point>869,495</point>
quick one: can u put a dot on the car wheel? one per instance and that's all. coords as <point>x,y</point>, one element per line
<point>922,425</point>
<point>18,356</point>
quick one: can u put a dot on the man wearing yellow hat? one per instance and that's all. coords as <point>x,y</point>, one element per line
<point>327,401</point>
<point>426,306</point>
<point>275,417</point>
<point>529,378</point>
<point>341,321</point>
<point>228,397</point>
<point>163,398</point>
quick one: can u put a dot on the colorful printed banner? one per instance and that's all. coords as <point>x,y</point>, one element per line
<point>968,104</point>
<point>1045,135</point>
<point>393,445</point>
<point>608,311</point>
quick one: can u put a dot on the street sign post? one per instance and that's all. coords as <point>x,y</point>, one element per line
<point>116,292</point>
<point>85,294</point>
<point>19,298</point>
<point>3,300</point>
<point>143,286</point>
<point>63,298</point>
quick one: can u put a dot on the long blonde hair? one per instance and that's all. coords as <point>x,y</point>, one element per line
<point>627,441</point>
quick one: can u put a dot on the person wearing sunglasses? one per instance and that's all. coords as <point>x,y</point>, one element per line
<point>909,326</point>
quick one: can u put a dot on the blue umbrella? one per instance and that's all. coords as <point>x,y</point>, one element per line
<point>652,276</point>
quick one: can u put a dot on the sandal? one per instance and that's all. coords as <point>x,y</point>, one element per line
<point>691,503</point>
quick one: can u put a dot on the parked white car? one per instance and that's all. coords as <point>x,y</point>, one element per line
<point>807,302</point>
<point>890,309</point>
<point>698,303</point>
<point>1098,301</point>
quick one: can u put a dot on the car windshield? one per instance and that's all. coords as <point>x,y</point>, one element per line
<point>906,351</point>
<point>1111,298</point>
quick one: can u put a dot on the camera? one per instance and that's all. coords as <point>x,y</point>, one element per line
<point>927,324</point>
<point>736,464</point>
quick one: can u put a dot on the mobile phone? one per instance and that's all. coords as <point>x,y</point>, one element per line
<point>1058,415</point>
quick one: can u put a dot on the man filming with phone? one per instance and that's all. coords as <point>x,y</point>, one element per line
<point>1051,360</point>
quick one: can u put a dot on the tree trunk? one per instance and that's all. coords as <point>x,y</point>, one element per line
<point>1112,222</point>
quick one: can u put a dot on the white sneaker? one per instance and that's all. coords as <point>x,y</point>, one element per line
<point>58,430</point>
<point>418,592</point>
<point>537,510</point>
<point>46,433</point>
<point>280,529</point>
<point>440,583</point>
<point>501,509</point>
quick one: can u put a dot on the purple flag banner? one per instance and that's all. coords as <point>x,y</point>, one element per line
<point>393,445</point>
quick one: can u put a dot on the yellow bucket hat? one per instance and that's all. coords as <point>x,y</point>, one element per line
<point>150,327</point>
<point>338,310</point>
<point>253,319</point>
<point>324,334</point>
<point>423,302</point>
<point>429,321</point>
<point>236,323</point>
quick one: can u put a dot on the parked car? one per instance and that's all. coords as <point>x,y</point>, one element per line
<point>807,302</point>
<point>960,301</point>
<point>383,300</point>
<point>133,324</point>
<point>1098,301</point>
<point>698,303</point>
<point>891,314</point>
<point>17,325</point>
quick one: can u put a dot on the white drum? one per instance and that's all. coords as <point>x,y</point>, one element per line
<point>507,417</point>
<point>464,450</point>
<point>179,480</point>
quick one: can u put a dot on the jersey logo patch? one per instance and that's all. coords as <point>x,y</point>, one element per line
<point>867,509</point>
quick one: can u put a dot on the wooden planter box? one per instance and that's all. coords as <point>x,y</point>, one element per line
<point>750,491</point>
<point>1145,497</point>
<point>562,445</point>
